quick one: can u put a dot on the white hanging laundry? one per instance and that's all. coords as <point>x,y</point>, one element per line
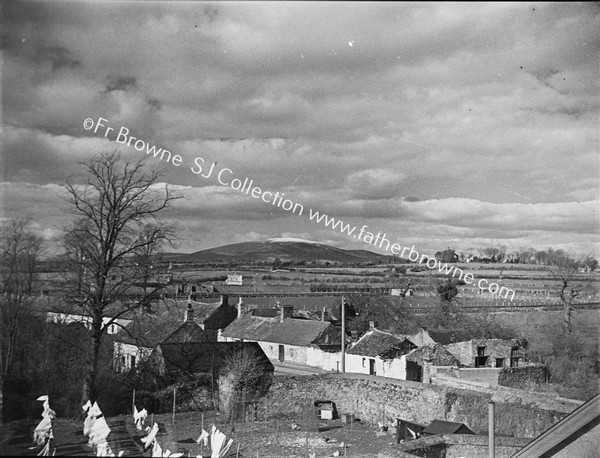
<point>86,406</point>
<point>43,430</point>
<point>151,435</point>
<point>99,432</point>
<point>225,450</point>
<point>88,423</point>
<point>139,417</point>
<point>157,450</point>
<point>95,410</point>
<point>103,449</point>
<point>203,438</point>
<point>45,451</point>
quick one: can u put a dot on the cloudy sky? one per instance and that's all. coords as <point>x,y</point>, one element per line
<point>442,125</point>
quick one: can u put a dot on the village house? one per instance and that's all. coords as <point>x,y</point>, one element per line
<point>285,339</point>
<point>223,363</point>
<point>477,353</point>
<point>480,353</point>
<point>200,323</point>
<point>380,353</point>
<point>427,360</point>
<point>201,357</point>
<point>59,312</point>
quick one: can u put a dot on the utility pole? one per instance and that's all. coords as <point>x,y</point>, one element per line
<point>343,337</point>
<point>491,429</point>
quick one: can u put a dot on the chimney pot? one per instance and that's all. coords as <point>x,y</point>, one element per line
<point>287,311</point>
<point>189,314</point>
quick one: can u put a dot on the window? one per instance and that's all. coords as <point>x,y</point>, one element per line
<point>481,359</point>
<point>291,352</point>
<point>515,355</point>
<point>364,362</point>
<point>499,362</point>
<point>132,361</point>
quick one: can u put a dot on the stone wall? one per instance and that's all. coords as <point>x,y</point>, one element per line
<point>375,399</point>
<point>454,446</point>
<point>494,349</point>
<point>523,376</point>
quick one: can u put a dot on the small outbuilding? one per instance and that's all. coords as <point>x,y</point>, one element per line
<point>446,427</point>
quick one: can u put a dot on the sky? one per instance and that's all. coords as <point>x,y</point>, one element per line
<point>439,124</point>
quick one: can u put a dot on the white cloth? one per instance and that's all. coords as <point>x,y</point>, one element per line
<point>151,435</point>
<point>203,438</point>
<point>99,432</point>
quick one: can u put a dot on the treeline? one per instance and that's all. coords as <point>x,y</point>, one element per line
<point>525,256</point>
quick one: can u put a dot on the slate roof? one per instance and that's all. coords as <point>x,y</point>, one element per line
<point>147,331</point>
<point>379,343</point>
<point>204,357</point>
<point>290,331</point>
<point>315,303</point>
<point>436,353</point>
<point>150,329</point>
<point>450,336</point>
<point>447,427</point>
<point>188,332</point>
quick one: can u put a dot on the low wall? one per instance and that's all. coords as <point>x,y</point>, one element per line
<point>522,377</point>
<point>377,399</point>
<point>508,394</point>
<point>455,446</point>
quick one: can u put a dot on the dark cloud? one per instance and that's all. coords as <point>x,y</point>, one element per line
<point>120,83</point>
<point>479,111</point>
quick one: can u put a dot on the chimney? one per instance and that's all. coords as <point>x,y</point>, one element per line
<point>224,300</point>
<point>371,325</point>
<point>239,307</point>
<point>189,314</point>
<point>287,311</point>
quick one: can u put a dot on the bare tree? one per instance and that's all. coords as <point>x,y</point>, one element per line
<point>20,250</point>
<point>565,270</point>
<point>116,209</point>
<point>244,378</point>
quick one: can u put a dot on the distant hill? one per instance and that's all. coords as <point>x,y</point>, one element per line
<point>286,249</point>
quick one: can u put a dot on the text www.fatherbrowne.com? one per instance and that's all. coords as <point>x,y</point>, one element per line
<point>246,186</point>
<point>382,242</point>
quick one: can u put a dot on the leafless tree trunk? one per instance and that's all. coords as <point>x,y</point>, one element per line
<point>116,209</point>
<point>565,270</point>
<point>20,250</point>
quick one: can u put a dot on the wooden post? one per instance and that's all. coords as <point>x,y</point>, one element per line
<point>491,429</point>
<point>343,337</point>
<point>133,402</point>
<point>174,405</point>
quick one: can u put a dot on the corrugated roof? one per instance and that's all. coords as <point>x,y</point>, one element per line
<point>290,331</point>
<point>378,343</point>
